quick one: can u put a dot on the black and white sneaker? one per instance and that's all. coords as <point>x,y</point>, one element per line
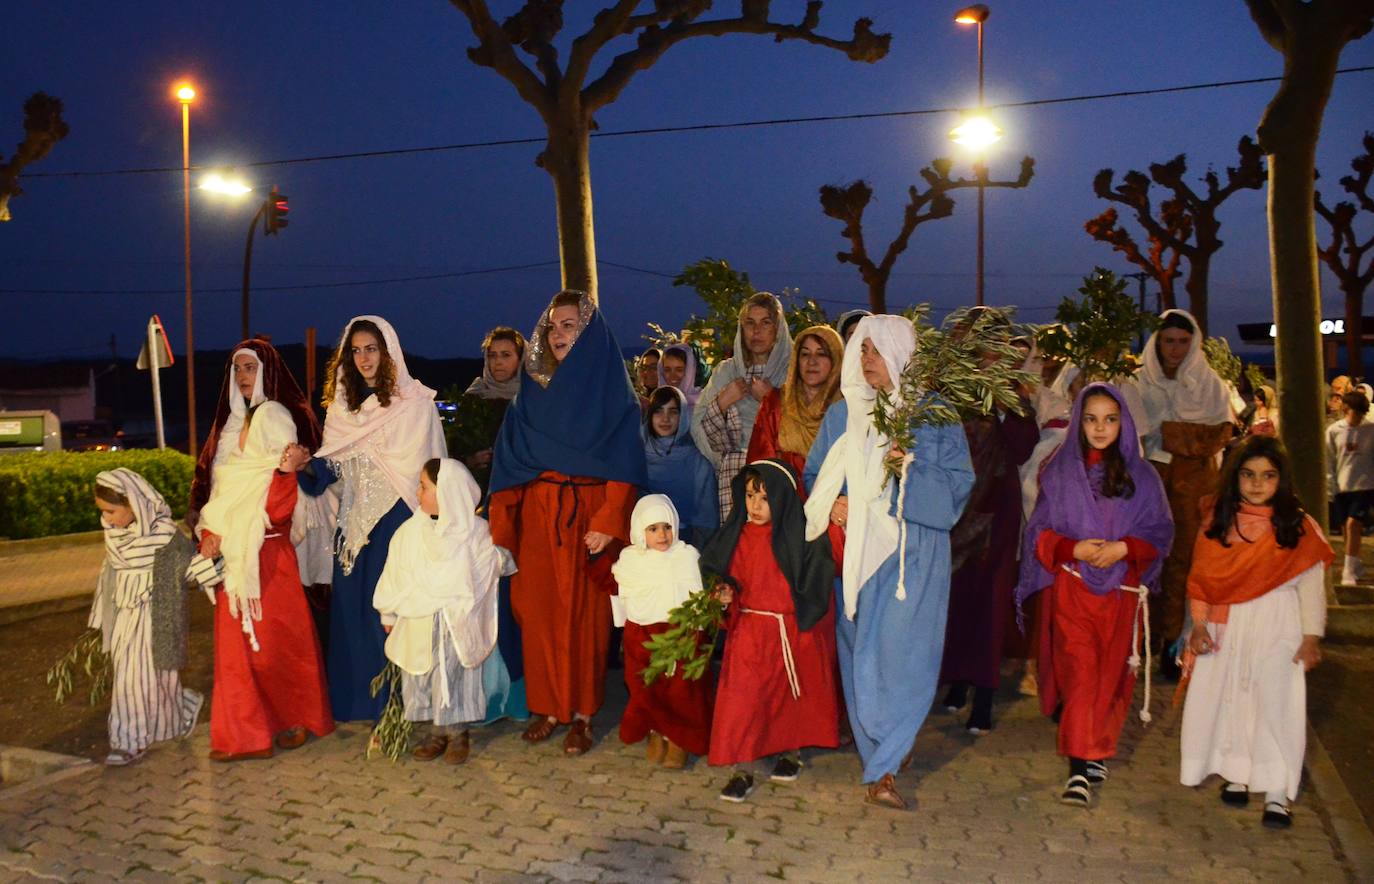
<point>1096,773</point>
<point>1077,792</point>
<point>786,770</point>
<point>1235,794</point>
<point>739,787</point>
<point>1277,815</point>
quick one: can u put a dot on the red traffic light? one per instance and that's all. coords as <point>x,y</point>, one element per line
<point>276,212</point>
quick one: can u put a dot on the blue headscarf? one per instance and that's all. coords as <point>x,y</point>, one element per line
<point>579,417</point>
<point>678,469</point>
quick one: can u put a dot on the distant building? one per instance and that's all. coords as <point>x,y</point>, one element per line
<point>66,390</point>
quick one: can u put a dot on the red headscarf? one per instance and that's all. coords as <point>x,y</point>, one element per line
<point>276,383</point>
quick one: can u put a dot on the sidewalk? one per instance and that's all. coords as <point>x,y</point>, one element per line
<point>49,569</point>
<point>987,811</point>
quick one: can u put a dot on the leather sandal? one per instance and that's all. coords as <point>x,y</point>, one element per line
<point>675,757</point>
<point>433,746</point>
<point>884,793</point>
<point>579,738</point>
<point>292,739</point>
<point>458,748</point>
<point>540,729</point>
<point>655,747</point>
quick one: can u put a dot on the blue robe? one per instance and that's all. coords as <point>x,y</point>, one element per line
<point>890,653</point>
<point>356,640</point>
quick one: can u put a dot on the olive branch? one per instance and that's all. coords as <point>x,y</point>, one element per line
<point>1098,332</point>
<point>1226,364</point>
<point>967,366</point>
<point>691,636</point>
<point>86,656</point>
<point>391,736</point>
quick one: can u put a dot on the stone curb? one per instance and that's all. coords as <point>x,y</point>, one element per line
<point>10,614</point>
<point>43,544</point>
<point>1346,821</point>
<point>57,768</point>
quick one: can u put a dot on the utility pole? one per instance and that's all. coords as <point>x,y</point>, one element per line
<point>1140,278</point>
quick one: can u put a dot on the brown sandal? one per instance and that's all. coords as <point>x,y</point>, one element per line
<point>458,749</point>
<point>884,793</point>
<point>579,739</point>
<point>433,746</point>
<point>291,739</point>
<point>540,729</point>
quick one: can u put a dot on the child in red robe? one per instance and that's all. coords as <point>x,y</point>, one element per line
<point>654,575</point>
<point>777,690</point>
<point>269,675</point>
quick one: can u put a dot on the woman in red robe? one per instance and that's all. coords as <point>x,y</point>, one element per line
<point>269,674</point>
<point>777,691</point>
<point>565,472</point>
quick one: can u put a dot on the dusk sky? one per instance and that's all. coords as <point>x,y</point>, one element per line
<point>286,80</point>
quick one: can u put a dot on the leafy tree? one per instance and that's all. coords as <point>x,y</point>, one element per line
<point>1187,225</point>
<point>1345,253</point>
<point>567,97</point>
<point>1310,35</point>
<point>43,128</point>
<point>847,203</point>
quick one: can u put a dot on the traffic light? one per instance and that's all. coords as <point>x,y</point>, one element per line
<point>276,212</point>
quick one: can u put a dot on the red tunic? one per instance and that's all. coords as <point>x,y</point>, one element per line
<point>756,714</point>
<point>563,608</point>
<point>672,706</point>
<point>259,694</point>
<point>1085,642</point>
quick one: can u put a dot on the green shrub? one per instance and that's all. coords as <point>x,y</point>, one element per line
<point>52,492</point>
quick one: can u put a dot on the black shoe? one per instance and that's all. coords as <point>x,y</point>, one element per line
<point>1277,816</point>
<point>738,789</point>
<point>786,770</point>
<point>1096,773</point>
<point>1076,792</point>
<point>956,697</point>
<point>1234,794</point>
<point>1169,670</point>
<point>980,718</point>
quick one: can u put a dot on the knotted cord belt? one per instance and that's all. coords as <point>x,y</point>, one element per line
<point>574,484</point>
<point>787,660</point>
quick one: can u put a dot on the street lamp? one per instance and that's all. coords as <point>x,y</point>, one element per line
<point>186,94</point>
<point>977,133</point>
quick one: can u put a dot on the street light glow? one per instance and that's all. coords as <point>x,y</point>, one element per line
<point>972,15</point>
<point>186,94</point>
<point>215,184</point>
<point>976,133</point>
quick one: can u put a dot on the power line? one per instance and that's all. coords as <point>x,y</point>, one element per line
<point>695,127</point>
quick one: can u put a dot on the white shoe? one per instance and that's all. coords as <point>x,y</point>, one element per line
<point>1348,577</point>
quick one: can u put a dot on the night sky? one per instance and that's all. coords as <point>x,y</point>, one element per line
<point>283,80</point>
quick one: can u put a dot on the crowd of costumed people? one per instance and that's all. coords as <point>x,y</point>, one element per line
<point>1068,542</point>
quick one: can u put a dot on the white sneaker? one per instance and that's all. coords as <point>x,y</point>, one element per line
<point>1349,577</point>
<point>193,702</point>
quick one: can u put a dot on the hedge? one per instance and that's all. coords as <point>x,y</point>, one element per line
<point>52,492</point>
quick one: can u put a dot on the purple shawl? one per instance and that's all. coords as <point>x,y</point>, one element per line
<point>1070,504</point>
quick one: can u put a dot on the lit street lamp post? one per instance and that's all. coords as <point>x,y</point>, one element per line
<point>186,95</point>
<point>977,14</point>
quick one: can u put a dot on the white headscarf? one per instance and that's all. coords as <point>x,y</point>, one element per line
<point>126,580</point>
<point>1195,395</point>
<point>446,566</point>
<point>858,457</point>
<point>653,582</point>
<point>398,439</point>
<point>238,408</point>
<point>237,508</point>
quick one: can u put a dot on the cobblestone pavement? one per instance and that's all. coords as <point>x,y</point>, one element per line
<point>986,811</point>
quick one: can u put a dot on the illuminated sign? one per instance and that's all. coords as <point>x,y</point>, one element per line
<point>1328,327</point>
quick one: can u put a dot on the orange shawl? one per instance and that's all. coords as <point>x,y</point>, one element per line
<point>1254,563</point>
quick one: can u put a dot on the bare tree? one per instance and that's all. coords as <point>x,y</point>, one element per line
<point>847,203</point>
<point>568,97</point>
<point>1310,34</point>
<point>1345,253</point>
<point>1187,225</point>
<point>43,128</point>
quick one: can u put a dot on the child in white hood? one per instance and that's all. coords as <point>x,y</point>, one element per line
<point>437,598</point>
<point>654,576</point>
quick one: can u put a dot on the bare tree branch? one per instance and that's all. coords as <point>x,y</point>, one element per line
<point>654,40</point>
<point>494,50</point>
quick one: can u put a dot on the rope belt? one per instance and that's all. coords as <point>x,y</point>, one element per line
<point>562,484</point>
<point>787,660</point>
<point>1141,616</point>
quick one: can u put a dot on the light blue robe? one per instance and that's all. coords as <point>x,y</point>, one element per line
<point>890,653</point>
